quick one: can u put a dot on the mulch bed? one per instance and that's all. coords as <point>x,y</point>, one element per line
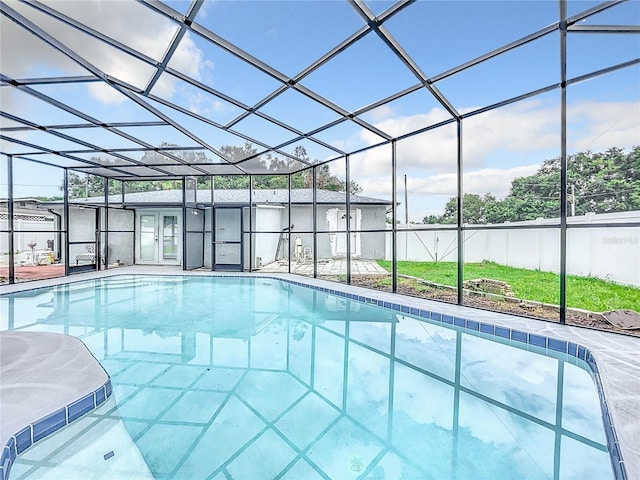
<point>522,309</point>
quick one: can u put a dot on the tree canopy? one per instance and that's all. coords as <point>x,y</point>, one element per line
<point>597,182</point>
<point>275,177</point>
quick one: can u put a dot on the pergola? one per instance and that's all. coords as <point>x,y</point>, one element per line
<point>83,90</point>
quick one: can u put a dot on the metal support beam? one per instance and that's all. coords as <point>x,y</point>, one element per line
<point>375,24</point>
<point>184,223</point>
<point>394,216</point>
<point>250,224</point>
<point>10,212</point>
<point>314,212</point>
<point>563,160</point>
<point>106,224</point>
<point>127,91</point>
<point>460,205</point>
<point>193,11</point>
<point>604,28</point>
<point>348,219</point>
<point>65,207</point>
<point>290,228</point>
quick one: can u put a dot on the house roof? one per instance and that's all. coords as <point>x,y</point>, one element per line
<point>275,196</point>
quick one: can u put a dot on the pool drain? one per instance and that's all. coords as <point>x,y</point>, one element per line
<point>356,463</point>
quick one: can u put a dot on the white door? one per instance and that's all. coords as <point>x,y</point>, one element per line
<point>159,239</point>
<point>341,240</point>
<point>227,238</point>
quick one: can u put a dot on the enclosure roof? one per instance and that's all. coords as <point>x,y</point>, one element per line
<point>148,89</point>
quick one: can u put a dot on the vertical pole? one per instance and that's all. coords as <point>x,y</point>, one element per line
<point>314,210</point>
<point>106,224</point>
<point>289,229</point>
<point>406,220</point>
<point>251,234</point>
<point>406,202</point>
<point>394,214</point>
<point>348,219</point>
<point>460,205</point>
<point>563,160</point>
<point>573,200</point>
<point>97,242</point>
<point>213,220</point>
<point>66,221</point>
<point>12,248</point>
<point>184,223</point>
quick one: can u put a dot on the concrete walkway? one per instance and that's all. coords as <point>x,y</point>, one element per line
<point>327,267</point>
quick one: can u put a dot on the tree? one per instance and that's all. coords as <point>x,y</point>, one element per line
<point>474,209</point>
<point>324,179</point>
<point>431,219</point>
<point>597,182</point>
<point>276,168</point>
<point>86,185</point>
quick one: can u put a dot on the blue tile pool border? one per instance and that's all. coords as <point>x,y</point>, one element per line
<point>45,426</point>
<point>553,346</point>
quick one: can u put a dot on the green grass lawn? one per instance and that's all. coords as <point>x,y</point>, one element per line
<point>582,292</point>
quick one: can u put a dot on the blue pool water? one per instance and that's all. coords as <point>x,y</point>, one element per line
<point>255,378</point>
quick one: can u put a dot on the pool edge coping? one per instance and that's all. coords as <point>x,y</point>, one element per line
<point>25,437</point>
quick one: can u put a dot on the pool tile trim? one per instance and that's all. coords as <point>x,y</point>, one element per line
<point>553,346</point>
<point>45,426</point>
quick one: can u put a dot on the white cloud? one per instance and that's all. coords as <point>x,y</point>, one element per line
<point>600,126</point>
<point>524,131</point>
<point>498,146</point>
<point>130,23</point>
<point>189,59</point>
<point>106,94</point>
<point>380,114</point>
<point>487,180</point>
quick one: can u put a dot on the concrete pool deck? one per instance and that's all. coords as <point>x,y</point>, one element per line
<point>617,356</point>
<point>47,380</point>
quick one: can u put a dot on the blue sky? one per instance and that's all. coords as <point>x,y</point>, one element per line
<point>289,35</point>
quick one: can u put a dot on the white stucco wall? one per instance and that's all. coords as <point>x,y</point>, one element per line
<point>267,219</point>
<point>602,252</point>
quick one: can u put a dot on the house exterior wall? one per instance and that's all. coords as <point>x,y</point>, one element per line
<point>265,245</point>
<point>121,227</point>
<point>82,231</point>
<point>371,218</point>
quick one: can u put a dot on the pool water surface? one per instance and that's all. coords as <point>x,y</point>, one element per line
<point>257,378</point>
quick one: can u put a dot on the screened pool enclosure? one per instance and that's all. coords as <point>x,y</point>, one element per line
<point>459,151</point>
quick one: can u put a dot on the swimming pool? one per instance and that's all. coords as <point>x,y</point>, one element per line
<point>260,378</point>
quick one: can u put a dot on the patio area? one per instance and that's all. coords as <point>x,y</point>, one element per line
<point>25,273</point>
<point>326,267</point>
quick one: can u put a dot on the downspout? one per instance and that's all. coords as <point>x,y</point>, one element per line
<point>58,233</point>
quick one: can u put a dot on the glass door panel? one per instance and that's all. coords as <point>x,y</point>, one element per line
<point>148,238</point>
<point>169,237</point>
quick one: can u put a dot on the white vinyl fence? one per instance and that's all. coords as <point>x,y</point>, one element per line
<point>603,252</point>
